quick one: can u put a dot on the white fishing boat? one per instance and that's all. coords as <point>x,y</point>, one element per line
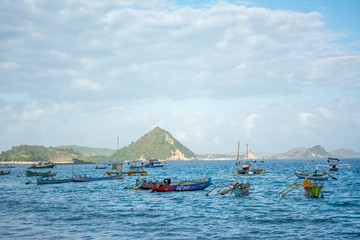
<point>246,167</point>
<point>333,164</point>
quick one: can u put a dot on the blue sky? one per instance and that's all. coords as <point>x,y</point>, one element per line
<point>271,74</point>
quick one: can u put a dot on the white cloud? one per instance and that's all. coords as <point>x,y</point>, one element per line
<point>216,72</point>
<point>305,118</point>
<point>30,112</point>
<point>249,124</point>
<point>86,84</point>
<point>87,63</point>
<point>323,112</point>
<point>8,65</point>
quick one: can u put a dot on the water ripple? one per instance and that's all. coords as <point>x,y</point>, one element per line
<point>104,210</point>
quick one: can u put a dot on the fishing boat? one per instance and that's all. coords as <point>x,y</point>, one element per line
<point>106,176</point>
<point>135,168</point>
<point>333,164</point>
<point>143,184</point>
<point>42,181</point>
<point>42,174</point>
<point>97,167</point>
<point>312,176</point>
<point>239,189</point>
<point>42,165</point>
<point>187,185</point>
<point>152,163</point>
<point>312,190</point>
<point>6,166</point>
<point>4,173</point>
<point>140,183</point>
<point>246,167</point>
<point>115,169</point>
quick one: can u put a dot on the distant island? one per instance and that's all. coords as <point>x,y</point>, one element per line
<point>157,143</point>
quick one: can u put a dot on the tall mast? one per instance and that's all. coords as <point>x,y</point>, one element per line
<point>237,163</point>
<point>247,153</point>
<point>117,145</point>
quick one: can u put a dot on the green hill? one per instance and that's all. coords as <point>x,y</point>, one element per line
<point>157,143</point>
<point>26,153</point>
<point>89,151</point>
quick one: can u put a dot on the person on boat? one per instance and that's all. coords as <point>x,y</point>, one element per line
<point>307,185</point>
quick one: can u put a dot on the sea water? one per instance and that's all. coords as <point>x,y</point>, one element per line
<point>105,210</point>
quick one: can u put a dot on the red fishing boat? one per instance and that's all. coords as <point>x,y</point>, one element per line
<point>186,185</point>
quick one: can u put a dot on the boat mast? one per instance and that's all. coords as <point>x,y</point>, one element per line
<point>247,153</point>
<point>237,163</point>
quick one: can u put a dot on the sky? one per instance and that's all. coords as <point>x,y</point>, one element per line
<point>271,74</point>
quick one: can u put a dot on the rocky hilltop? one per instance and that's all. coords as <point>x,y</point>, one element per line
<point>345,153</point>
<point>157,143</point>
<point>314,152</point>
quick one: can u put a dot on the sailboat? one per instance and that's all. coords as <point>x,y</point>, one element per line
<point>239,189</point>
<point>245,167</point>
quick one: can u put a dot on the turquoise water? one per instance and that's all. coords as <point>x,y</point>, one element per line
<point>105,210</point>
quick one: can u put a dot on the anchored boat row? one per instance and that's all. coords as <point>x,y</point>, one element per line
<point>115,172</point>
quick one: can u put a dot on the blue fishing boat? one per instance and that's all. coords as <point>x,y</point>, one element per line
<point>105,177</point>
<point>53,180</point>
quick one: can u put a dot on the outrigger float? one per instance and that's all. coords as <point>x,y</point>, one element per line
<point>239,189</point>
<point>312,190</point>
<point>245,167</point>
<point>333,164</point>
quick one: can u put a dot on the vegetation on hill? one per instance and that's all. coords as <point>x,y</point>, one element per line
<point>26,153</point>
<point>157,143</point>
<point>89,151</point>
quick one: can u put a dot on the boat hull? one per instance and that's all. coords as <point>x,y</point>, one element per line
<point>41,181</point>
<point>238,191</point>
<point>152,162</point>
<point>4,173</point>
<point>302,175</point>
<point>181,186</point>
<point>42,174</point>
<point>250,172</point>
<point>42,166</point>
<point>89,179</point>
